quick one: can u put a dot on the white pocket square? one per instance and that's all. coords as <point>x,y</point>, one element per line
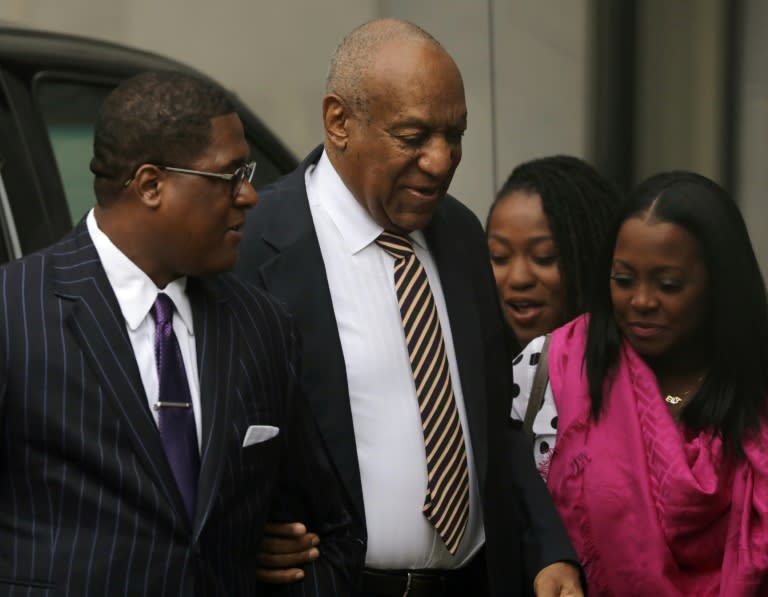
<point>256,434</point>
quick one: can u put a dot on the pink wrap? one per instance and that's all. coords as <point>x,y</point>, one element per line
<point>652,511</point>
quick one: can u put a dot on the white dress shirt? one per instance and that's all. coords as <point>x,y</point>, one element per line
<point>136,293</point>
<point>385,413</point>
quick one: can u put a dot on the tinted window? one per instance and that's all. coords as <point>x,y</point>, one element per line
<point>69,110</point>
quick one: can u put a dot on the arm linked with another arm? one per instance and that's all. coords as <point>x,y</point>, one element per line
<point>310,492</point>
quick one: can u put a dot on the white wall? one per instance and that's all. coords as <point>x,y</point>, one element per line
<point>524,63</point>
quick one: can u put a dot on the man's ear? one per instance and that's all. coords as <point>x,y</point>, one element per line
<point>336,117</point>
<point>148,183</point>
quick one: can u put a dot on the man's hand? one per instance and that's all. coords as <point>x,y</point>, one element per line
<point>558,580</point>
<point>285,546</point>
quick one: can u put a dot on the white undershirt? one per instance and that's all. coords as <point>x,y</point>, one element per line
<point>388,431</point>
<point>136,293</point>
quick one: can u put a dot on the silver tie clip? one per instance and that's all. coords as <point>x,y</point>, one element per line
<point>159,405</point>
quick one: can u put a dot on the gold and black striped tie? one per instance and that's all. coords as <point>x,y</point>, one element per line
<point>446,504</point>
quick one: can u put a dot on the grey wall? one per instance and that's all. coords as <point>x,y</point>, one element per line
<point>680,82</point>
<point>524,63</point>
<point>752,151</point>
<point>542,80</point>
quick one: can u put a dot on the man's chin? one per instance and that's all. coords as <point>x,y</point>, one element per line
<point>223,264</point>
<point>412,221</point>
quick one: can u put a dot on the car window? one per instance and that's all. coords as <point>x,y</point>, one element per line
<point>69,110</point>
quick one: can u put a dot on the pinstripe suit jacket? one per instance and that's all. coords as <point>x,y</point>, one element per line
<point>88,504</point>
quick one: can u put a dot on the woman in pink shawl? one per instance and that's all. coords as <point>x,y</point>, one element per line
<point>658,458</point>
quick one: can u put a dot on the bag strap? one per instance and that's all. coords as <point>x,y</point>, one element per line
<point>540,379</point>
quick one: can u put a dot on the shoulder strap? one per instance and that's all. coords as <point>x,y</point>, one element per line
<point>536,399</point>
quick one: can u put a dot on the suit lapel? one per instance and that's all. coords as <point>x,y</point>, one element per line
<point>93,315</point>
<point>215,338</point>
<point>296,275</point>
<point>455,275</point>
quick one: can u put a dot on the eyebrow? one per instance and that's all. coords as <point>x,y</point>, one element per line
<point>234,164</point>
<point>531,241</point>
<point>655,270</point>
<point>415,122</point>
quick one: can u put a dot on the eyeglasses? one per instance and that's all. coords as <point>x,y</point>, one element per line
<point>237,178</point>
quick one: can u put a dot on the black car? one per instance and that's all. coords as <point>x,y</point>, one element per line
<point>51,87</point>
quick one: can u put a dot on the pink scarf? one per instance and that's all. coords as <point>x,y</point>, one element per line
<point>651,510</point>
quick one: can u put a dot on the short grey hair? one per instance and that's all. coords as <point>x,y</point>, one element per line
<point>353,59</point>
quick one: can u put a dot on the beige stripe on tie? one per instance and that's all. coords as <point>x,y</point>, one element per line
<point>446,504</point>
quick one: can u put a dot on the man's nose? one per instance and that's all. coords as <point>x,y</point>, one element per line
<point>439,157</point>
<point>247,197</point>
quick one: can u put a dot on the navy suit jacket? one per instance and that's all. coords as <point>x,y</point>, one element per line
<point>281,252</point>
<point>88,502</point>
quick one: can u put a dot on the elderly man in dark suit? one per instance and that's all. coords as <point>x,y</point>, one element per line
<point>151,418</point>
<point>404,358</point>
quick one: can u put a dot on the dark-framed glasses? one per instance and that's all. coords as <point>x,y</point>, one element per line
<point>237,178</point>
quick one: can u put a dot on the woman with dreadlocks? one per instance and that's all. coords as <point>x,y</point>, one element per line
<point>544,231</point>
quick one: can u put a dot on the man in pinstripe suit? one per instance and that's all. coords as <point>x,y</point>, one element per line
<point>89,502</point>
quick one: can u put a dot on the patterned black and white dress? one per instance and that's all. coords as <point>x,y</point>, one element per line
<point>545,421</point>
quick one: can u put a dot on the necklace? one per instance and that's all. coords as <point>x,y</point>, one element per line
<point>675,399</point>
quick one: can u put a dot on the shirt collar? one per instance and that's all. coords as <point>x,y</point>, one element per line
<point>135,291</point>
<point>355,225</point>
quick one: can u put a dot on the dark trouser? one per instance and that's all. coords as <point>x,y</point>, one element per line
<point>471,580</point>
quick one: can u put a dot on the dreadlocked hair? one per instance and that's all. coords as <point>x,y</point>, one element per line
<point>579,205</point>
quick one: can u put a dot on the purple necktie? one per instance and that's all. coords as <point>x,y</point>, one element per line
<point>176,416</point>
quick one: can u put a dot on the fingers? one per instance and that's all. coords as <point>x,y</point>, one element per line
<point>552,588</point>
<point>279,577</point>
<point>289,545</point>
<point>286,560</point>
<point>285,547</point>
<point>285,529</point>
<point>558,580</point>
